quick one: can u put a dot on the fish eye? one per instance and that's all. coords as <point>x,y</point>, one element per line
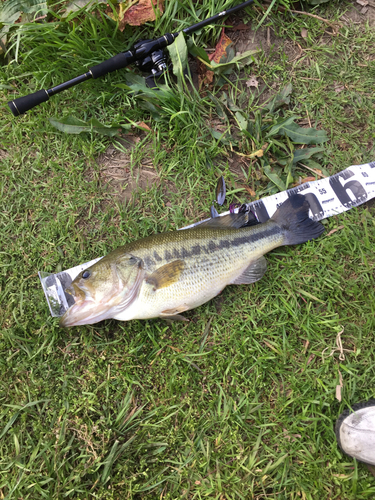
<point>132,259</point>
<point>86,274</point>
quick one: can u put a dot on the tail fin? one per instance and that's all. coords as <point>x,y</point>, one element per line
<point>293,218</point>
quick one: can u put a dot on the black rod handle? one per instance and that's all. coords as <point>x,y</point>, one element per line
<point>117,62</point>
<point>22,104</point>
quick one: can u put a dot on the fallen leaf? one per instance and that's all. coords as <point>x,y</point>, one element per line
<point>302,181</point>
<point>304,33</point>
<point>338,88</point>
<point>206,76</point>
<point>288,437</point>
<point>240,26</point>
<point>339,387</point>
<point>311,357</point>
<point>306,345</point>
<point>307,179</point>
<point>250,191</point>
<point>174,348</point>
<point>334,230</point>
<point>220,50</point>
<point>141,12</point>
<point>143,125</point>
<point>257,154</point>
<point>252,82</point>
<point>363,3</point>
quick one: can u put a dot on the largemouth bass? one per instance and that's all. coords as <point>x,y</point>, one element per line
<point>165,274</point>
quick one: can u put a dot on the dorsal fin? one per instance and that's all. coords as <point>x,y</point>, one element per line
<point>166,275</point>
<point>233,221</point>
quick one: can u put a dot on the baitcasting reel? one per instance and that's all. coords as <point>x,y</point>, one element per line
<point>156,63</point>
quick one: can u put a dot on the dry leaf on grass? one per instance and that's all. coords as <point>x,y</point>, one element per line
<point>140,13</point>
<point>252,82</point>
<point>306,345</point>
<point>291,437</point>
<point>311,357</point>
<point>304,33</point>
<point>143,126</point>
<point>240,27</point>
<point>338,88</point>
<point>257,154</point>
<point>339,387</point>
<point>221,48</point>
<point>334,230</point>
<point>250,191</point>
<point>302,181</point>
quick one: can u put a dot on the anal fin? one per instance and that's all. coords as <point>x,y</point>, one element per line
<point>174,310</point>
<point>254,272</point>
<point>175,317</point>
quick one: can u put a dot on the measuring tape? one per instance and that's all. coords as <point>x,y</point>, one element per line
<point>329,196</point>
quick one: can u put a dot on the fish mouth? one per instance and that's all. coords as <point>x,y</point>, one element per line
<point>87,311</point>
<point>83,312</point>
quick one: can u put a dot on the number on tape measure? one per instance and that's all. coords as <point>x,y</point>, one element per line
<point>353,185</point>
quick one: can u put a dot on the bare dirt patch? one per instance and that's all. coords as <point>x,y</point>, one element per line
<point>3,154</point>
<point>120,175</point>
<point>263,39</point>
<point>360,14</point>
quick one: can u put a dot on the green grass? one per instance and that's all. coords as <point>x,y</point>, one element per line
<point>240,402</point>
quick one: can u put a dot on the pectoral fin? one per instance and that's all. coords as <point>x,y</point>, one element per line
<point>254,272</point>
<point>166,275</point>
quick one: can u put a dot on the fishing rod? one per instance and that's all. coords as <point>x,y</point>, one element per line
<point>147,54</point>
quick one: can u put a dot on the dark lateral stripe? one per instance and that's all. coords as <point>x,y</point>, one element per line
<point>157,256</point>
<point>216,245</point>
<point>149,261</point>
<point>257,236</point>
